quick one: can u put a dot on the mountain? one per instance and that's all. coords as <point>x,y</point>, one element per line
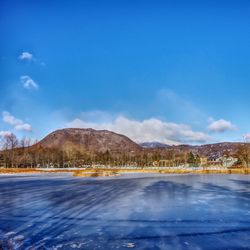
<point>217,149</point>
<point>92,141</point>
<point>154,145</point>
<point>89,140</point>
<point>209,150</point>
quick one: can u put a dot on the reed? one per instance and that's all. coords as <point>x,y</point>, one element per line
<point>95,172</point>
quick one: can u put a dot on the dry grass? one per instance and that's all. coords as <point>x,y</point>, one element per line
<point>19,171</point>
<point>114,172</point>
<point>30,171</point>
<point>101,172</point>
<point>95,174</point>
<point>228,171</point>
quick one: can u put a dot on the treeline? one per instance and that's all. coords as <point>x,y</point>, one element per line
<point>22,153</point>
<point>25,153</point>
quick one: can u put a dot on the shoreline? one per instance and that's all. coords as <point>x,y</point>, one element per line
<point>105,172</point>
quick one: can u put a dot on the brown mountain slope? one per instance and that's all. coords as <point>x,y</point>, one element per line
<point>88,140</point>
<point>219,149</point>
<point>206,150</point>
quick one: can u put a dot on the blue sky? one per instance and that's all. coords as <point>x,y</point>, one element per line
<point>171,71</point>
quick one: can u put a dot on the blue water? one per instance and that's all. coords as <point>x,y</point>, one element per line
<point>57,211</point>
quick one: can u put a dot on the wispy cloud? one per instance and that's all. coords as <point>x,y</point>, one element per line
<point>146,130</point>
<point>18,124</point>
<point>220,125</point>
<point>28,82</point>
<point>29,57</point>
<point>26,56</point>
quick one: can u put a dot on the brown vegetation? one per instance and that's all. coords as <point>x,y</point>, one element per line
<point>102,172</point>
<point>19,171</point>
<point>105,173</point>
<point>115,172</point>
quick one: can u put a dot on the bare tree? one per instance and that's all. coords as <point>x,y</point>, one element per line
<point>243,154</point>
<point>10,143</point>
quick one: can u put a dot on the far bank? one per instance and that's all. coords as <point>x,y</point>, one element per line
<point>113,171</point>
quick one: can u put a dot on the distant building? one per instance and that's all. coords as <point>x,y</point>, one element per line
<point>228,161</point>
<point>168,163</point>
<point>223,161</point>
<point>163,163</point>
<point>213,161</point>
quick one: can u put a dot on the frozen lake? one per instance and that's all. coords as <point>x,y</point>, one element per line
<point>57,211</point>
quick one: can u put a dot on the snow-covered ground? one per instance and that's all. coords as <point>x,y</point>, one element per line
<point>140,211</point>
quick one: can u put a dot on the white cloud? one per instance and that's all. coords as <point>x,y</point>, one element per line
<point>246,137</point>
<point>26,56</point>
<point>4,133</point>
<point>23,127</point>
<point>18,124</point>
<point>220,126</point>
<point>28,83</point>
<point>146,130</point>
<point>8,118</point>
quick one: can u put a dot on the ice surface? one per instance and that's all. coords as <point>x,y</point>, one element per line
<point>57,211</point>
